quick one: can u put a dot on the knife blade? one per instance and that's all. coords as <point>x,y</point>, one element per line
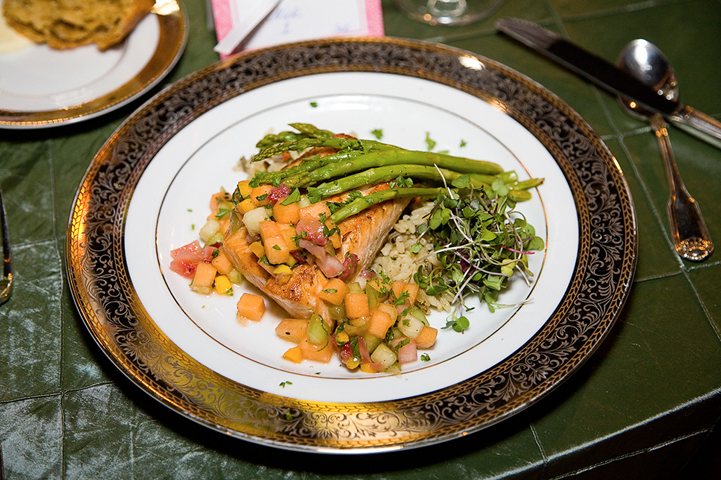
<point>610,77</point>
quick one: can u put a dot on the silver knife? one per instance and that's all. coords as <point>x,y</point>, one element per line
<point>610,77</point>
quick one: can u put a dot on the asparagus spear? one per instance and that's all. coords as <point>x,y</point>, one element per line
<point>360,204</point>
<point>384,174</point>
<point>394,157</point>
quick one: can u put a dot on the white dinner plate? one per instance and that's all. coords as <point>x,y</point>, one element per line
<point>43,87</point>
<point>147,192</point>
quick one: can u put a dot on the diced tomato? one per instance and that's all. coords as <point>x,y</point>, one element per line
<point>346,352</point>
<point>192,247</point>
<point>407,353</point>
<point>363,349</point>
<point>207,253</point>
<point>185,263</point>
<point>349,265</point>
<point>278,193</point>
<point>311,229</point>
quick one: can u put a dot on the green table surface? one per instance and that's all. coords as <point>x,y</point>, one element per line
<point>643,406</point>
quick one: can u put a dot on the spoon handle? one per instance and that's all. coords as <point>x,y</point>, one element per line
<point>698,124</point>
<point>688,228</point>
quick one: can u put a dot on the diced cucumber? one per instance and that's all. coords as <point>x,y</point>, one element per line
<point>253,218</point>
<point>384,355</point>
<point>304,202</point>
<point>336,312</point>
<point>357,326</point>
<point>217,237</point>
<point>316,330</point>
<point>371,342</point>
<point>418,313</point>
<point>410,326</point>
<point>372,295</point>
<point>209,229</point>
<point>235,277</point>
<point>355,287</point>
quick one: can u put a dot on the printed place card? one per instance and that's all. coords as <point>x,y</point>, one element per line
<point>298,20</point>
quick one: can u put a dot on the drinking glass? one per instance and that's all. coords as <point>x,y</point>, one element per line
<point>448,12</point>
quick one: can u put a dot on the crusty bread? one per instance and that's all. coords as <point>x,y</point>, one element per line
<point>64,24</point>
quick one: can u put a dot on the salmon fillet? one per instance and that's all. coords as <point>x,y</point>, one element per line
<point>362,234</point>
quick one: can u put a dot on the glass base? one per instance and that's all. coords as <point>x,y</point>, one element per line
<point>448,12</point>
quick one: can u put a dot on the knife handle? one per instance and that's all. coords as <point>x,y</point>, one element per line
<point>698,124</point>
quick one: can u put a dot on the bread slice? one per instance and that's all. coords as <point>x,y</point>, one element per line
<point>64,24</point>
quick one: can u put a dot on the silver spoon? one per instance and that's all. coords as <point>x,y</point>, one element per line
<point>647,63</point>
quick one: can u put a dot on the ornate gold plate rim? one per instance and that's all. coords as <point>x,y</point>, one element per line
<point>120,325</point>
<point>173,36</point>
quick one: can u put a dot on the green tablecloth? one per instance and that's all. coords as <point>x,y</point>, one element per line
<point>640,408</point>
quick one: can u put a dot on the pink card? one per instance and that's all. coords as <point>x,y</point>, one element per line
<point>298,20</point>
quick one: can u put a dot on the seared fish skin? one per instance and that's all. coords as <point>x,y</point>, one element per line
<point>362,235</point>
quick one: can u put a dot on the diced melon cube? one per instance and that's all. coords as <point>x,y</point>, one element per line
<point>334,291</point>
<point>319,353</point>
<point>288,214</point>
<point>356,305</point>
<point>221,262</point>
<point>251,306</point>
<point>380,323</point>
<point>292,329</point>
<point>204,275</point>
<point>259,195</point>
<point>427,337</point>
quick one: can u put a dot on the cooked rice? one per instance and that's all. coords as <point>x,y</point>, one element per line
<point>396,260</point>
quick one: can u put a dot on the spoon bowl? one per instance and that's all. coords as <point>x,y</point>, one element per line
<point>644,61</point>
<point>647,63</point>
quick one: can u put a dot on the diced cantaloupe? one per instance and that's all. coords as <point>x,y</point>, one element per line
<point>380,323</point>
<point>390,310</point>
<point>319,353</point>
<point>268,229</point>
<point>356,305</point>
<point>427,337</point>
<point>222,263</point>
<point>289,214</point>
<point>315,210</point>
<point>259,195</point>
<point>334,291</point>
<point>294,354</point>
<point>400,287</point>
<point>276,250</point>
<point>251,306</point>
<point>292,329</point>
<point>335,239</point>
<point>214,202</point>
<point>289,234</point>
<point>204,275</point>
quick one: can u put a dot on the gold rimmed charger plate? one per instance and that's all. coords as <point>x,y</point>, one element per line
<point>599,282</point>
<point>172,31</point>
